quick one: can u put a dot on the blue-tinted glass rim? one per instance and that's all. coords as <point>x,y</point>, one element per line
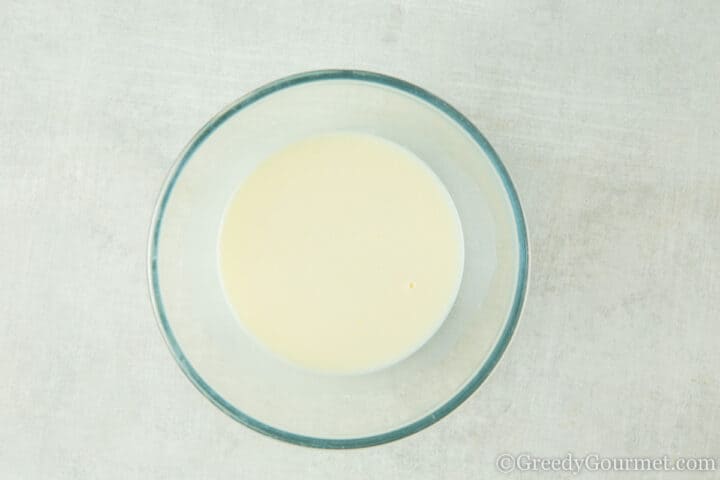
<point>459,397</point>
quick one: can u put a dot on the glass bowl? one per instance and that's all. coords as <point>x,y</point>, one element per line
<point>314,409</point>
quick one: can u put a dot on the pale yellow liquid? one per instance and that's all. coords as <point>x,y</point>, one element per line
<point>341,253</point>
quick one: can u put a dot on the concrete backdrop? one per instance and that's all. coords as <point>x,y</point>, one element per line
<point>606,114</point>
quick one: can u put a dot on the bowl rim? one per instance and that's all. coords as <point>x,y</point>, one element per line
<point>252,97</point>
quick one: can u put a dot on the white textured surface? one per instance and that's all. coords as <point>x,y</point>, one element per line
<point>606,114</point>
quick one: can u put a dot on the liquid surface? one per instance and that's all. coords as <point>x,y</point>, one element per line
<point>341,253</point>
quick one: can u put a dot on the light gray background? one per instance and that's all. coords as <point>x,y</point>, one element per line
<point>607,115</point>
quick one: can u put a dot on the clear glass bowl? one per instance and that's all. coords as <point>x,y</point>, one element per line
<point>263,392</point>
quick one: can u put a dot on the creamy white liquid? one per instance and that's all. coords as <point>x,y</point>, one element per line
<point>341,253</point>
